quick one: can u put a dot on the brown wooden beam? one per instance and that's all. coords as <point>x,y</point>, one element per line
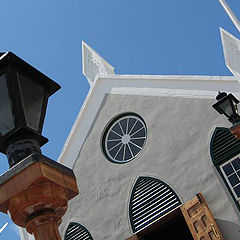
<point>36,194</point>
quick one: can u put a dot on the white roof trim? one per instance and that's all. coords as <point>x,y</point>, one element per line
<point>160,85</point>
<point>168,77</point>
<point>164,92</point>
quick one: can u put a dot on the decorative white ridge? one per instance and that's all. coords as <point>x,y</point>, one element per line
<point>165,92</point>
<point>231,49</point>
<point>3,227</point>
<point>230,14</point>
<point>94,64</point>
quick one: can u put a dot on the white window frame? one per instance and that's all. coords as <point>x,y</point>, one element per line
<point>108,129</point>
<point>226,177</point>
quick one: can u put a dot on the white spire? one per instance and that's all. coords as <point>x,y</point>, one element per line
<point>231,45</point>
<point>230,14</point>
<point>93,64</point>
<point>231,49</point>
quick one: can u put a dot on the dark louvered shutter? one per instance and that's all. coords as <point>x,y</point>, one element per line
<point>76,231</point>
<point>223,145</point>
<point>151,199</point>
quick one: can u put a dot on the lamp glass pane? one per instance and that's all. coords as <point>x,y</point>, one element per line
<point>227,108</point>
<point>6,116</point>
<point>32,96</point>
<point>235,107</point>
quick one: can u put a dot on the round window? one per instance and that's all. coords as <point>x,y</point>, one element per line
<point>124,138</point>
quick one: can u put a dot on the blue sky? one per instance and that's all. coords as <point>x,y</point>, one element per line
<point>135,36</point>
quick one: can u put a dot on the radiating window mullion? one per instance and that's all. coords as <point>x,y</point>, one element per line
<point>124,151</point>
<point>132,127</point>
<point>127,125</point>
<point>116,133</point>
<point>136,131</point>
<point>130,149</point>
<point>118,151</point>
<point>135,145</point>
<point>136,138</point>
<point>119,123</point>
<point>114,147</point>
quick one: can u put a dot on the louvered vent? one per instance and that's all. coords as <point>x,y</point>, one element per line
<point>223,146</point>
<point>76,231</point>
<point>150,200</point>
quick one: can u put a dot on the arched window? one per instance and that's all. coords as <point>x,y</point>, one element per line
<point>223,145</point>
<point>225,150</point>
<point>124,138</point>
<point>151,198</point>
<point>76,231</point>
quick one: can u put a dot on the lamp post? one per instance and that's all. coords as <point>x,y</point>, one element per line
<point>35,190</point>
<point>227,105</point>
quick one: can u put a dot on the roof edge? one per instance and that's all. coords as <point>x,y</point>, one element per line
<point>167,77</point>
<point>152,85</point>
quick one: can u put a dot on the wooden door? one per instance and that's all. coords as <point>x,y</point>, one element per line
<point>200,219</point>
<point>135,237</point>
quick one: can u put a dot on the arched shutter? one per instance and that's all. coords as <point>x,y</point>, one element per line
<point>76,231</point>
<point>223,145</point>
<point>151,198</point>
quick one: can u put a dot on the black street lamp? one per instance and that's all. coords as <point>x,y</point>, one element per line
<point>35,190</point>
<point>227,104</point>
<point>24,92</point>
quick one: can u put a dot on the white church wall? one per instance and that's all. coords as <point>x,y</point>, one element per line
<point>176,151</point>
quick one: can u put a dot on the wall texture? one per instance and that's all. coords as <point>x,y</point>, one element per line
<point>176,151</point>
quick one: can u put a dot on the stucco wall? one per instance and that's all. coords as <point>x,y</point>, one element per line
<point>176,151</point>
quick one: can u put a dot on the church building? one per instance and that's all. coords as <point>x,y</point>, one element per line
<point>152,158</point>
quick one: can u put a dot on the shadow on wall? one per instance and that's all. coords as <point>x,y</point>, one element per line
<point>228,229</point>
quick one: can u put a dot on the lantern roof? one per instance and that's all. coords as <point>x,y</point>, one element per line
<point>10,58</point>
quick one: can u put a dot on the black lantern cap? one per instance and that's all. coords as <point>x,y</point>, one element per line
<point>221,95</point>
<point>227,104</point>
<point>11,58</point>
<point>24,93</point>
